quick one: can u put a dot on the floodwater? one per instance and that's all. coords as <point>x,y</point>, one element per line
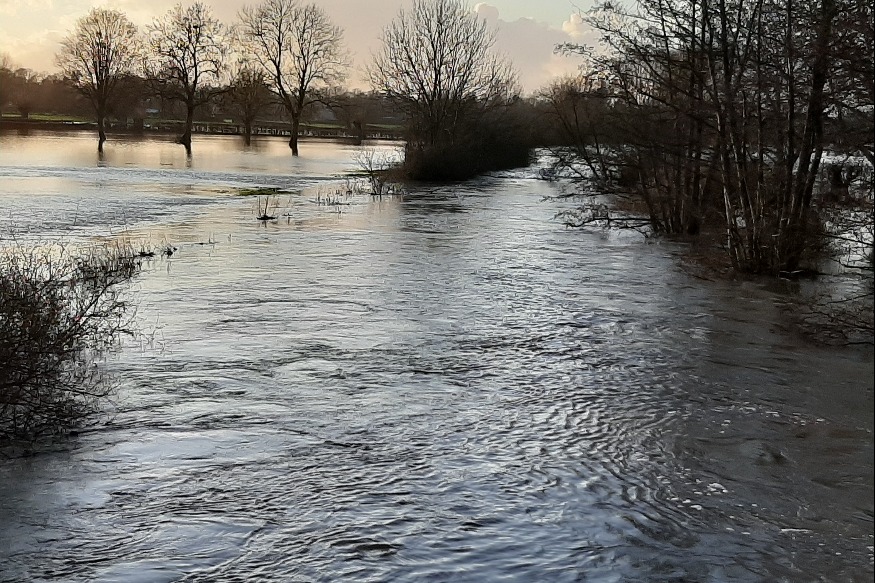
<point>442,386</point>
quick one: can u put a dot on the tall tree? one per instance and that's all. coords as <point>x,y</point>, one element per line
<point>299,49</point>
<point>6,77</point>
<point>437,65</point>
<point>101,50</point>
<point>732,94</point>
<point>188,50</point>
<point>23,86</point>
<point>248,96</point>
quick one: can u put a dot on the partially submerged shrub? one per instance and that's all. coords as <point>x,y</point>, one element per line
<point>379,170</point>
<point>463,159</point>
<point>60,312</point>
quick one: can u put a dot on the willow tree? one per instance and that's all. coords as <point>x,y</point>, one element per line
<point>299,49</point>
<point>437,65</point>
<point>188,48</point>
<point>96,56</point>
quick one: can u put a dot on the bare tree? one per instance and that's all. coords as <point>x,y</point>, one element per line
<point>23,87</point>
<point>299,49</point>
<point>188,47</point>
<point>100,51</point>
<point>437,65</point>
<point>248,96</point>
<point>6,77</point>
<point>732,97</point>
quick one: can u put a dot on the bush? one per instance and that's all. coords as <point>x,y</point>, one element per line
<point>495,140</point>
<point>463,160</point>
<point>60,312</point>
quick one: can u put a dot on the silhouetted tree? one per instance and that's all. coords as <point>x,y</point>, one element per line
<point>188,50</point>
<point>300,51</point>
<point>102,49</point>
<point>247,96</point>
<point>5,80</point>
<point>24,91</point>
<point>356,110</point>
<point>436,64</point>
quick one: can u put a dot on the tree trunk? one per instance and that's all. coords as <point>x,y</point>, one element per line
<point>247,133</point>
<point>101,130</point>
<point>796,236</point>
<point>185,138</point>
<point>293,137</point>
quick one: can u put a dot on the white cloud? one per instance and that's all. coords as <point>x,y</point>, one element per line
<point>487,12</point>
<point>530,44</point>
<point>574,26</point>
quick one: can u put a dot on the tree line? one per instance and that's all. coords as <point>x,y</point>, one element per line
<point>436,69</point>
<point>280,48</point>
<point>724,114</point>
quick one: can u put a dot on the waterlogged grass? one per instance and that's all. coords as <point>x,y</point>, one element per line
<point>259,191</point>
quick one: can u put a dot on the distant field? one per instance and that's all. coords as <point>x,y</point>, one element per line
<point>46,117</point>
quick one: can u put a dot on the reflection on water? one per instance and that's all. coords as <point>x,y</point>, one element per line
<point>223,154</point>
<point>443,386</point>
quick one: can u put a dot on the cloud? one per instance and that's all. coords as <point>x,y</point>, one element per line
<point>39,48</point>
<point>574,26</point>
<point>487,12</point>
<point>530,44</point>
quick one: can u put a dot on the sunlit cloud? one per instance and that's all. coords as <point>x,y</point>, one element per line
<point>30,31</point>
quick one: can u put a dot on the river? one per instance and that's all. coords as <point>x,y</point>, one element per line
<point>444,385</point>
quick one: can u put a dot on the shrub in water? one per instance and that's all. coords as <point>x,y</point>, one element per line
<point>60,312</point>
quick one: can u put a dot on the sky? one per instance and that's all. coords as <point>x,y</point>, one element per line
<point>526,30</point>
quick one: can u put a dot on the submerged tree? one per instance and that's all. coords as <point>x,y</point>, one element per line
<point>61,312</point>
<point>437,65</point>
<point>725,108</point>
<point>101,50</point>
<point>187,62</point>
<point>248,96</point>
<point>300,51</point>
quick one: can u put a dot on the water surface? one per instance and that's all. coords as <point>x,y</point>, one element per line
<point>442,386</point>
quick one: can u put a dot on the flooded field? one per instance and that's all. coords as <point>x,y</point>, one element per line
<point>445,385</point>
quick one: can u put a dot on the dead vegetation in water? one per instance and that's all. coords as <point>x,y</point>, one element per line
<point>259,191</point>
<point>379,171</point>
<point>267,209</point>
<point>62,311</point>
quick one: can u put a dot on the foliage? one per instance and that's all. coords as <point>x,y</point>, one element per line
<point>60,312</point>
<point>17,87</point>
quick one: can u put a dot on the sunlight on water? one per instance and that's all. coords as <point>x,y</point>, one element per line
<point>446,386</point>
